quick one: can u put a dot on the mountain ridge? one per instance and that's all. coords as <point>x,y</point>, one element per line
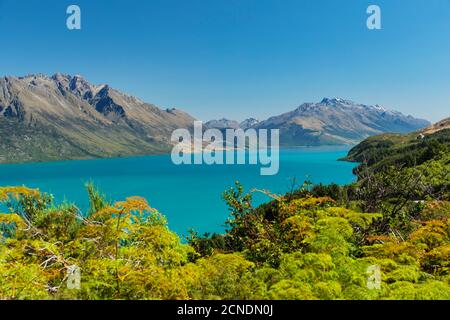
<point>334,121</point>
<point>64,117</point>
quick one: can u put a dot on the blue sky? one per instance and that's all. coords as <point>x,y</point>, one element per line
<point>236,59</point>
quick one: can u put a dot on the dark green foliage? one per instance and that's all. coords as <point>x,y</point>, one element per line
<point>207,244</point>
<point>408,151</point>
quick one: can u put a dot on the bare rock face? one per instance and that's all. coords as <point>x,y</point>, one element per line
<point>65,117</point>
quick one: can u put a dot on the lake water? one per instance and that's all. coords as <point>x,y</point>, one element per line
<point>188,195</point>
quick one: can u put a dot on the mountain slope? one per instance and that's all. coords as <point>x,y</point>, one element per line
<point>407,150</point>
<point>63,117</point>
<point>438,126</point>
<point>330,122</point>
<point>337,121</point>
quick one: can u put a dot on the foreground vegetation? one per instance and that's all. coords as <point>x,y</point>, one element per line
<point>316,242</point>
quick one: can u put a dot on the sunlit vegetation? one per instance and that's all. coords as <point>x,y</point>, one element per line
<point>313,250</point>
<point>316,242</point>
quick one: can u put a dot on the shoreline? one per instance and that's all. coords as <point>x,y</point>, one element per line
<point>293,148</point>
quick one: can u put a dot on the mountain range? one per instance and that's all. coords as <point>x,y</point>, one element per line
<point>330,122</point>
<point>65,117</point>
<point>60,117</point>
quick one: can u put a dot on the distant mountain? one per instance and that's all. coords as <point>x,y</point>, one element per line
<point>248,123</point>
<point>330,122</point>
<point>338,121</point>
<point>65,117</point>
<point>333,122</point>
<point>221,124</point>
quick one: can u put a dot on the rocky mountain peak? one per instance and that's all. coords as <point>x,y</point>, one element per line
<point>248,123</point>
<point>81,87</point>
<point>336,101</point>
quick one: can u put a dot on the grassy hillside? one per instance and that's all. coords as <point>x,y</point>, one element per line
<point>36,144</point>
<point>409,150</point>
<point>418,162</point>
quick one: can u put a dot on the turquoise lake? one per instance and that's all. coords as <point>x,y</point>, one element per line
<point>188,195</point>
